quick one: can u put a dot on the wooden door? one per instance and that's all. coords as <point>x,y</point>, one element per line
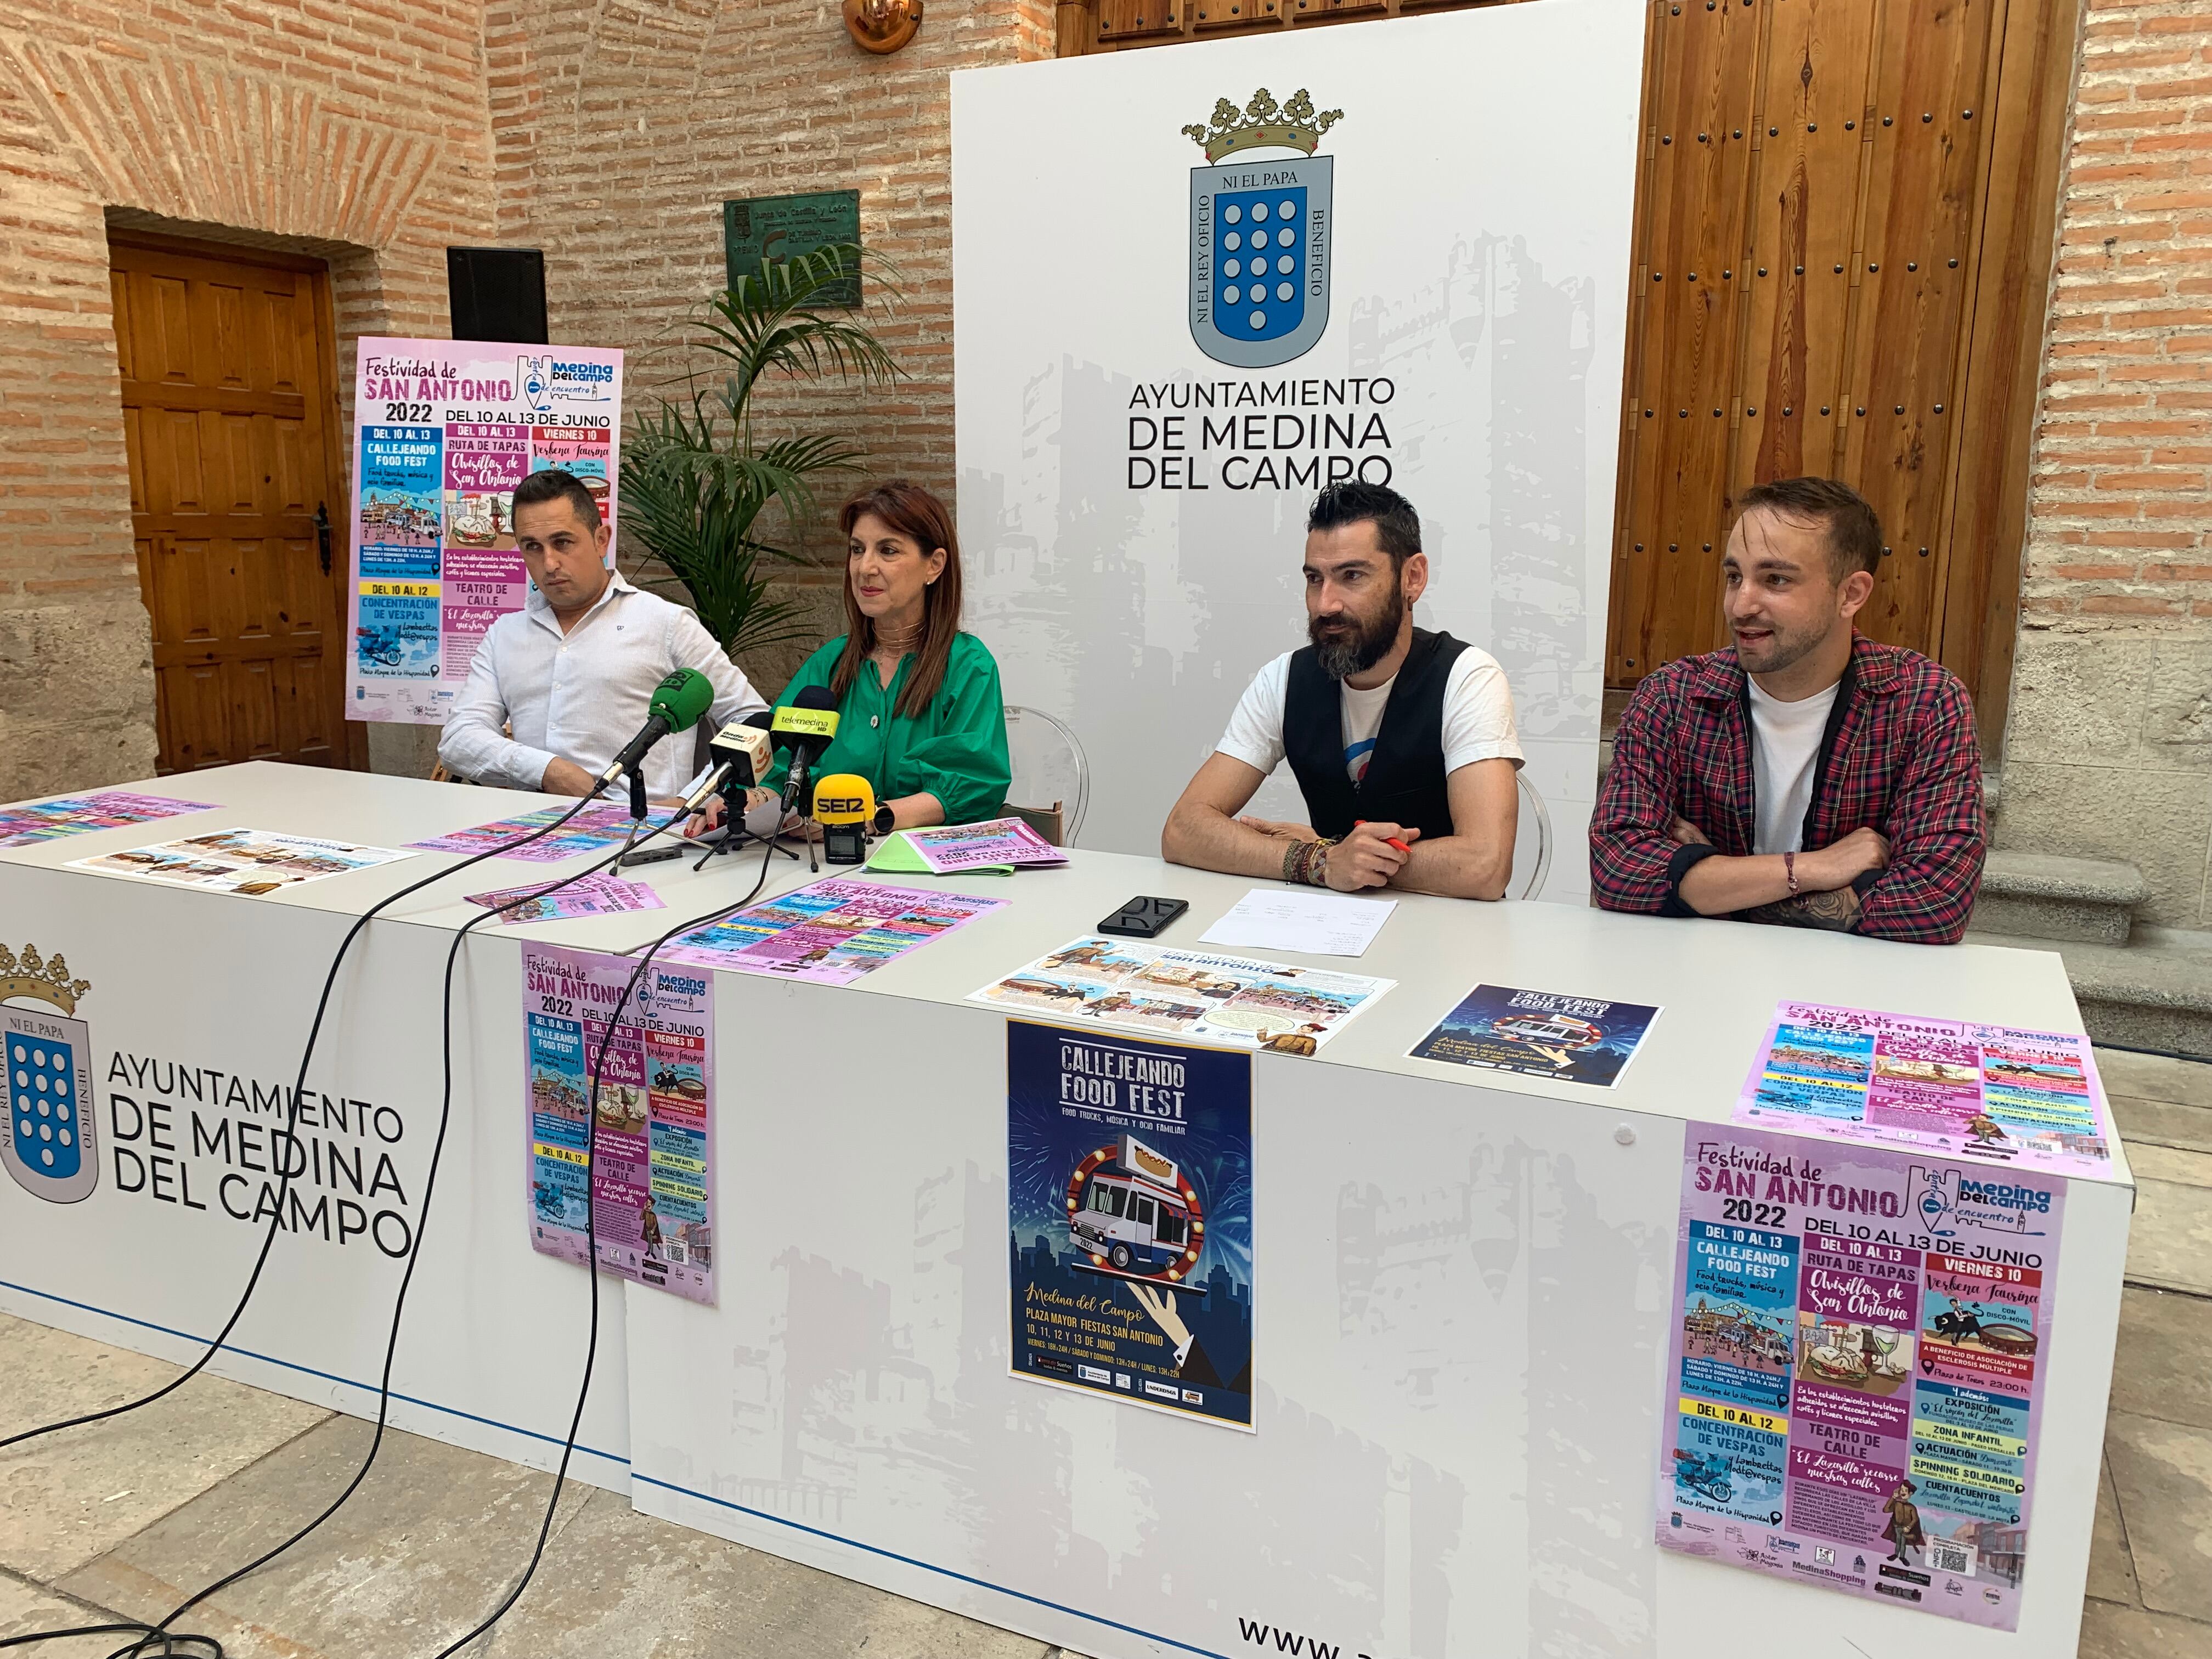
<point>237,501</point>
<point>1843,240</point>
<point>1823,201</point>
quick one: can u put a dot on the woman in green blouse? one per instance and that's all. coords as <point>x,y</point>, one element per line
<point>919,710</point>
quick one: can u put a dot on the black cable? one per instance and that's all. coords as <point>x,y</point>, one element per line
<point>291,1124</point>
<point>421,1226</point>
<point>592,1248</point>
<point>206,1647</point>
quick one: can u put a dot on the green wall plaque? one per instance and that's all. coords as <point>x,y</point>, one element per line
<point>769,228</point>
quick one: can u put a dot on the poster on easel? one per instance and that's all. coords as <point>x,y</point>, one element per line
<point>443,431</point>
<point>1861,1344</point>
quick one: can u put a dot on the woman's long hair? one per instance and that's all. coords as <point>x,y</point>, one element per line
<point>911,511</point>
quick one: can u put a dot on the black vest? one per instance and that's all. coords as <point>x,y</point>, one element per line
<point>1405,780</point>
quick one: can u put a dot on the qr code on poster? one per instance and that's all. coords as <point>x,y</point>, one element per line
<point>1948,1555</point>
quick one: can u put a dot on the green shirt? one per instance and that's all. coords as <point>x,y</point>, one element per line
<point>955,750</point>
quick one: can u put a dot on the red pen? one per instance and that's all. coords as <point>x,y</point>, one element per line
<point>1360,823</point>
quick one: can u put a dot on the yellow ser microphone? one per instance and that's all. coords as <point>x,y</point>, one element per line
<point>845,807</point>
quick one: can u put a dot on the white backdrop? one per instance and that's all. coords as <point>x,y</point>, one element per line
<point>1483,181</point>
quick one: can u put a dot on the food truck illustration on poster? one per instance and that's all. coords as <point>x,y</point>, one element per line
<point>1856,1369</point>
<point>1129,1211</point>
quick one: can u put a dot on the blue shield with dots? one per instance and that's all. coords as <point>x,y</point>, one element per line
<point>52,1146</point>
<point>1259,259</point>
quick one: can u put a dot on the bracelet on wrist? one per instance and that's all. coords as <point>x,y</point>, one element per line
<point>1312,868</point>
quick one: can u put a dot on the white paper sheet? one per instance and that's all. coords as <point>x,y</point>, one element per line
<point>1305,920</point>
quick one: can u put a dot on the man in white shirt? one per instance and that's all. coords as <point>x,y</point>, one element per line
<point>1401,740</point>
<point>569,675</point>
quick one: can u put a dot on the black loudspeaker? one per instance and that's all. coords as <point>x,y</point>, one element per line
<point>497,294</point>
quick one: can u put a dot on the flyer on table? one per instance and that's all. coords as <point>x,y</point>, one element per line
<point>1539,1033</point>
<point>595,895</point>
<point>254,862</point>
<point>2032,1099</point>
<point>78,815</point>
<point>1129,1213</point>
<point>591,830</point>
<point>652,1198</point>
<point>1235,1001</point>
<point>443,432</point>
<point>830,932</point>
<point>948,850</point>
<point>1856,1369</point>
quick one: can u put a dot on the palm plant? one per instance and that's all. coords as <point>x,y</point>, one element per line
<point>695,477</point>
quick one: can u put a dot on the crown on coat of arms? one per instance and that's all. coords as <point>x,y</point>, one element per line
<point>45,981</point>
<point>1263,124</point>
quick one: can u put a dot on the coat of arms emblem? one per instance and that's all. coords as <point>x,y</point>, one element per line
<point>51,1147</point>
<point>1260,227</point>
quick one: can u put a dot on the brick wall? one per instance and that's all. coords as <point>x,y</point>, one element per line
<point>355,129</point>
<point>622,125</point>
<point>2110,746</point>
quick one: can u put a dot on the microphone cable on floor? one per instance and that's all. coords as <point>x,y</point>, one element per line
<point>591,1243</point>
<point>152,1639</point>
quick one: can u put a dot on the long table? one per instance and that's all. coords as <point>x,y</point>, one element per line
<point>1465,1276</point>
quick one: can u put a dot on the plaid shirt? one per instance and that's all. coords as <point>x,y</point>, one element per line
<point>1899,757</point>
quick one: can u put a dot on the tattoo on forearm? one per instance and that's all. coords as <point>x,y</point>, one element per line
<point>1834,911</point>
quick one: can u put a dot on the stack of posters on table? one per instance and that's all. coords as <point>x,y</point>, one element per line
<point>830,933</point>
<point>1233,1001</point>
<point>951,849</point>
<point>591,830</point>
<point>78,815</point>
<point>1994,1093</point>
<point>254,862</point>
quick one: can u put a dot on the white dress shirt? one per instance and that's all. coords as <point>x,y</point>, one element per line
<point>582,695</point>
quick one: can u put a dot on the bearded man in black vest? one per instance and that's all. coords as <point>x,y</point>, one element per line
<point>1401,740</point>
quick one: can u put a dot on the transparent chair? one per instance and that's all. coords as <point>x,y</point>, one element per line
<point>1051,786</point>
<point>1532,842</point>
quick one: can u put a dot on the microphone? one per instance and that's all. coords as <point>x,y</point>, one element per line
<point>678,704</point>
<point>845,806</point>
<point>742,751</point>
<point>804,728</point>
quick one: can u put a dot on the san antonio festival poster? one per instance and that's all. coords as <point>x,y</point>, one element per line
<point>1129,1212</point>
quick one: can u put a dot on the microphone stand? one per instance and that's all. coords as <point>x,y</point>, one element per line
<point>735,834</point>
<point>637,817</point>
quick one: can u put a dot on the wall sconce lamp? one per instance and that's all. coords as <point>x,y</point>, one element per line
<point>882,26</point>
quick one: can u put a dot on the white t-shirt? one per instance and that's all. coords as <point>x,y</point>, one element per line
<point>1478,717</point>
<point>1785,751</point>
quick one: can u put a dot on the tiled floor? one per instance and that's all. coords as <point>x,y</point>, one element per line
<point>128,1520</point>
<point>2150,1576</point>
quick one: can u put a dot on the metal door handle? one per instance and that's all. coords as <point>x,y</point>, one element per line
<point>323,535</point>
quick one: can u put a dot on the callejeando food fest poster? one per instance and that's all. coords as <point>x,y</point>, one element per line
<point>443,431</point>
<point>1130,1212</point>
<point>1855,1376</point>
<point>653,1145</point>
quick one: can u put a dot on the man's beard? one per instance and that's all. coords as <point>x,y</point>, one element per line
<point>1361,645</point>
<point>1785,650</point>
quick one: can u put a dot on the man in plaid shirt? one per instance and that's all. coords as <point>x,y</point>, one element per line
<point>1809,776</point>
